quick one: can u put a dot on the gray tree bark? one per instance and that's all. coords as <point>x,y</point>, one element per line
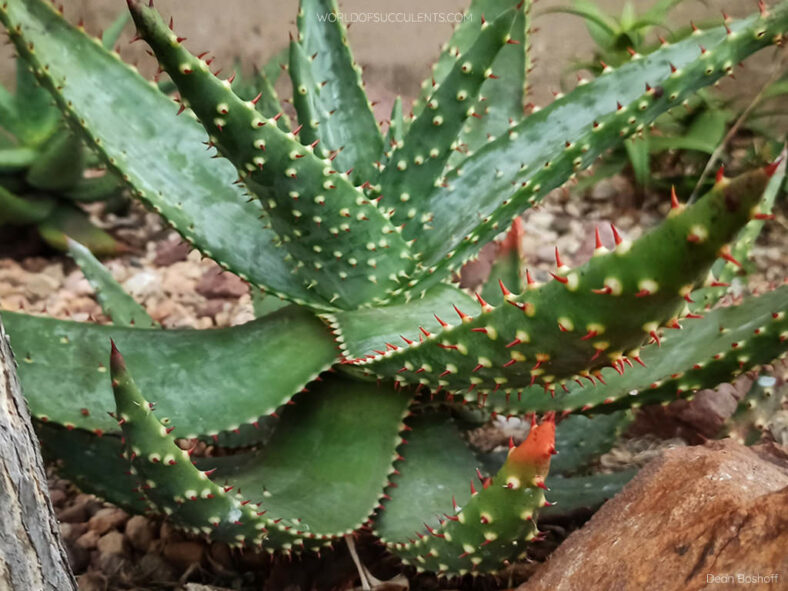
<point>32,556</point>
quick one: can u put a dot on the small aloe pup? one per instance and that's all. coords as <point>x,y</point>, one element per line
<point>343,408</point>
<point>43,164</point>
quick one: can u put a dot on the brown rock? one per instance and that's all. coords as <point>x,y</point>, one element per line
<point>75,514</point>
<point>78,557</point>
<point>216,283</point>
<point>112,543</point>
<point>107,519</point>
<point>88,540</point>
<point>171,251</point>
<point>154,568</point>
<point>220,554</point>
<point>184,554</point>
<point>58,496</point>
<point>691,515</point>
<point>92,581</point>
<point>71,531</point>
<point>139,533</point>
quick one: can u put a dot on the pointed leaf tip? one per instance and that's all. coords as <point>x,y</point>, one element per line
<point>537,448</point>
<point>770,169</point>
<point>115,358</point>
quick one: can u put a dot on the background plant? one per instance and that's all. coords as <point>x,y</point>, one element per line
<point>363,232</point>
<point>684,144</point>
<point>46,170</point>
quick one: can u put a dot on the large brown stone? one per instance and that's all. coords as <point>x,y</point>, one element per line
<point>691,515</point>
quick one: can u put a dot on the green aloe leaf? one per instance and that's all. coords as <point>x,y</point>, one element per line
<point>358,431</point>
<point>66,221</point>
<point>571,326</point>
<point>16,210</point>
<point>345,120</point>
<point>115,302</point>
<point>189,374</point>
<point>706,352</point>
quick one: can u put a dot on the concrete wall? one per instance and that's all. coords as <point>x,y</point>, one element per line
<point>396,56</point>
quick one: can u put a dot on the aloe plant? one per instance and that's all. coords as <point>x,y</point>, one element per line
<point>361,232</point>
<point>43,165</point>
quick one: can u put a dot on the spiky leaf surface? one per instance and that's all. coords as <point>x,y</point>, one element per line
<point>132,125</point>
<point>502,98</point>
<point>723,344</point>
<point>741,249</point>
<point>507,266</point>
<point>584,319</point>
<point>343,119</point>
<point>341,245</point>
<point>291,495</point>
<point>436,466</point>
<point>763,400</point>
<point>211,380</point>
<point>541,153</point>
<point>416,165</point>
<point>491,526</point>
<point>115,302</point>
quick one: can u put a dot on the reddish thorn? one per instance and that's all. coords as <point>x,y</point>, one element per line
<point>631,51</point>
<point>589,335</point>
<point>770,169</point>
<point>257,98</point>
<point>406,339</point>
<point>441,322</point>
<point>563,280</point>
<point>720,174</point>
<point>513,343</point>
<point>529,280</point>
<point>619,106</point>
<point>730,258</point>
<point>674,200</point>
<point>654,336</point>
<point>616,235</point>
<point>597,239</point>
<point>473,489</point>
<point>603,291</point>
<point>481,301</point>
<point>462,315</point>
<point>504,291</point>
<point>642,293</point>
<point>477,368</point>
<point>510,363</point>
<point>425,332</point>
<point>558,262</point>
<point>673,69</point>
<point>719,284</point>
<point>763,216</point>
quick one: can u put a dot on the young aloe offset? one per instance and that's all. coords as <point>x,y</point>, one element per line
<point>43,166</point>
<point>348,396</point>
